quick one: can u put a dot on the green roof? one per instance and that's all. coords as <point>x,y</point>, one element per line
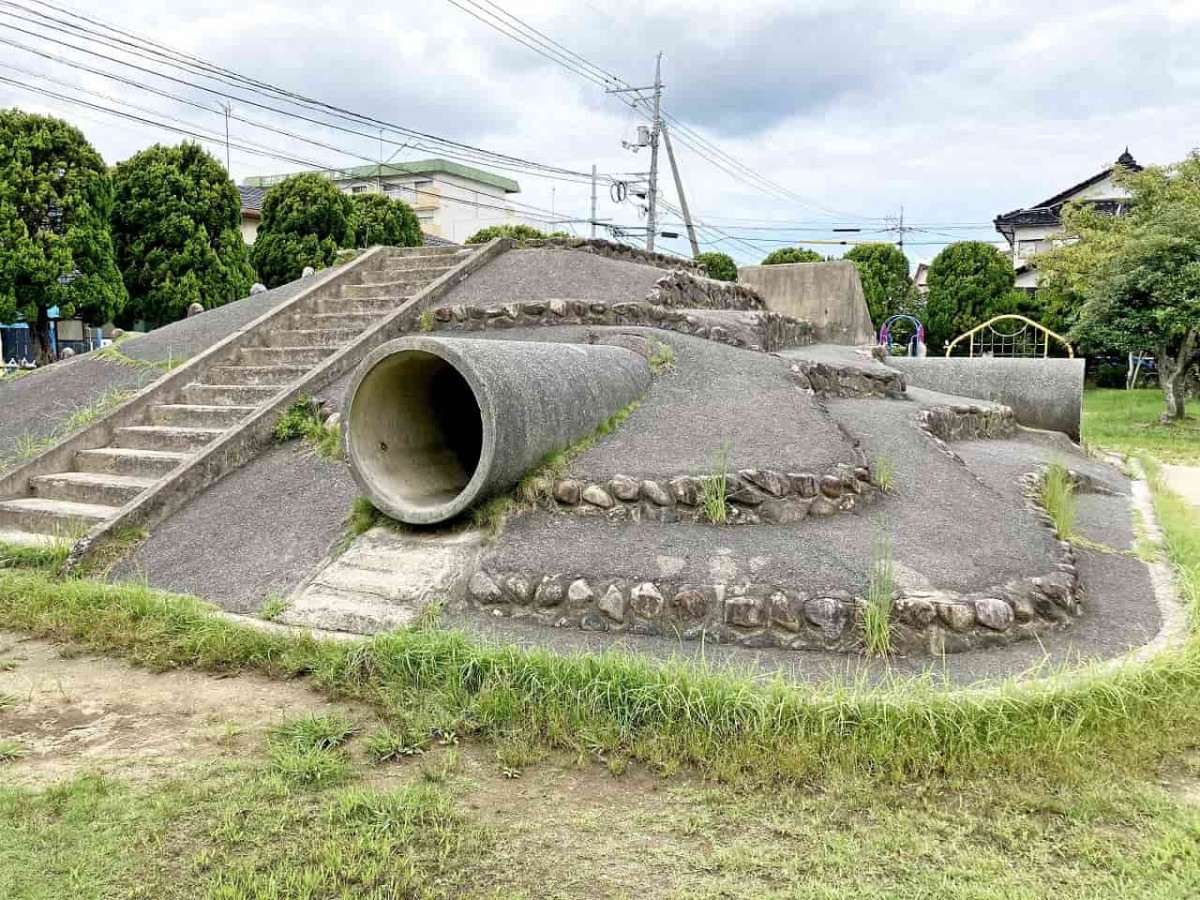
<point>416,167</point>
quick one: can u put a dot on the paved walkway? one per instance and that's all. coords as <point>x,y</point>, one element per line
<point>1184,481</point>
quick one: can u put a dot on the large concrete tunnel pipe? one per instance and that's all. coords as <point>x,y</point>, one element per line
<point>433,425</point>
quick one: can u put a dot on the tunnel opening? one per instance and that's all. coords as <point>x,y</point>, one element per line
<point>416,430</point>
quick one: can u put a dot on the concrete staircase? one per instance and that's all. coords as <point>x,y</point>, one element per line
<point>180,424</point>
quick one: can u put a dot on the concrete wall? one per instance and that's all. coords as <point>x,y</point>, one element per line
<point>828,294</point>
<point>1044,393</point>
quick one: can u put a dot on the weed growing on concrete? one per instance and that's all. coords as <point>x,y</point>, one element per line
<point>426,322</point>
<point>302,420</point>
<point>883,471</point>
<point>26,447</point>
<point>714,488</point>
<point>273,607</point>
<point>1057,496</point>
<point>112,353</point>
<point>363,517</point>
<point>877,633</point>
<point>663,360</point>
<point>8,701</point>
<point>110,550</point>
<point>7,665</point>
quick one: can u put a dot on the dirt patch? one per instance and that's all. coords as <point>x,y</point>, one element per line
<point>76,712</point>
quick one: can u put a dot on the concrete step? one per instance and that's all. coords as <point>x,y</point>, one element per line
<point>255,374</point>
<point>229,394</point>
<point>54,517</point>
<point>195,416</point>
<point>312,337</point>
<point>423,275</point>
<point>89,487</point>
<point>29,539</point>
<point>280,356</point>
<point>417,252</point>
<point>172,438</point>
<point>377,306</point>
<point>123,461</point>
<point>347,320</point>
<point>431,267</point>
<point>393,288</point>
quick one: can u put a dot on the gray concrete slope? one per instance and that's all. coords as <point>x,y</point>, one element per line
<point>548,273</point>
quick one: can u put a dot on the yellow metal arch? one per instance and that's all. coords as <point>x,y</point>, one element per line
<point>972,336</point>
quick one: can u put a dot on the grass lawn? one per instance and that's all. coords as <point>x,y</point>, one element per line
<point>451,770</point>
<point>1127,421</point>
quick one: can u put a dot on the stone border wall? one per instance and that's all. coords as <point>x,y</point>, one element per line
<point>967,422</point>
<point>846,381</point>
<point>752,496</point>
<point>613,250</point>
<point>775,331</point>
<point>781,616</point>
<point>696,291</point>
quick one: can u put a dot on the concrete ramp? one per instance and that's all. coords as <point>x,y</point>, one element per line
<point>1044,393</point>
<point>828,294</point>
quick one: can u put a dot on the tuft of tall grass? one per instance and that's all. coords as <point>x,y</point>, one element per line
<point>877,615</point>
<point>301,420</point>
<point>714,488</point>
<point>1056,493</point>
<point>883,472</point>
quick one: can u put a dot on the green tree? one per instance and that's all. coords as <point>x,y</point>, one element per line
<point>305,221</point>
<point>883,270</point>
<point>1139,275</point>
<point>515,232</point>
<point>378,219</point>
<point>969,282</point>
<point>55,245</point>
<point>719,266</point>
<point>175,229</point>
<point>786,255</point>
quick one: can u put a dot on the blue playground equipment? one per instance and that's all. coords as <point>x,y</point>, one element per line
<point>914,346</point>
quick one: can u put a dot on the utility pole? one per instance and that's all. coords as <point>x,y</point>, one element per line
<point>687,216</point>
<point>656,127</point>
<point>593,201</point>
<point>228,109</point>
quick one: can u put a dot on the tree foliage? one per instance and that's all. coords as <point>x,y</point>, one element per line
<point>378,219</point>
<point>883,270</point>
<point>785,255</point>
<point>969,282</point>
<point>515,232</point>
<point>175,223</point>
<point>719,266</point>
<point>305,221</point>
<point>55,245</point>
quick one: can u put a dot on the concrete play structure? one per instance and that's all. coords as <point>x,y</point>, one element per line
<point>579,445</point>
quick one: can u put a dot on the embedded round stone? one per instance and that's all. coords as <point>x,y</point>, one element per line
<point>646,600</point>
<point>580,591</point>
<point>548,593</point>
<point>686,490</point>
<point>831,486</point>
<point>483,588</point>
<point>748,612</point>
<point>821,507</point>
<point>804,484</point>
<point>829,614</point>
<point>692,603</point>
<point>519,587</point>
<point>958,616</point>
<point>656,494</point>
<point>567,491</point>
<point>613,603</point>
<point>785,611</point>
<point>994,614</point>
<point>597,496</point>
<point>623,488</point>
<point>915,611</point>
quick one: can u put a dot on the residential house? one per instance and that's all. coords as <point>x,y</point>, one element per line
<point>451,200</point>
<point>1031,230</point>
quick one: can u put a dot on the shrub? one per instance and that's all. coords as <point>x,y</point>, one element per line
<point>516,232</point>
<point>792,255</point>
<point>719,265</point>
<point>969,282</point>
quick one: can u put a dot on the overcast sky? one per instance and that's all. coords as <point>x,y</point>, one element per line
<point>953,111</point>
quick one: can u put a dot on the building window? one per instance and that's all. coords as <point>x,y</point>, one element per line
<point>358,189</point>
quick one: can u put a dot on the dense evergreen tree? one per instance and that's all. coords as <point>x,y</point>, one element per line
<point>719,265</point>
<point>883,270</point>
<point>378,219</point>
<point>305,221</point>
<point>176,216</point>
<point>55,244</point>
<point>516,232</point>
<point>969,282</point>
